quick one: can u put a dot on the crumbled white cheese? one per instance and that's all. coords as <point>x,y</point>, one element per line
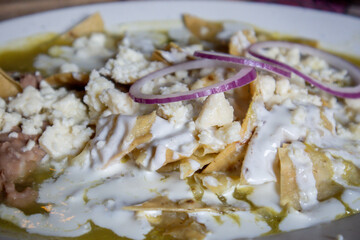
<point>129,65</point>
<point>97,84</point>
<point>216,111</point>
<point>69,67</point>
<point>29,145</point>
<point>96,40</point>
<point>28,102</point>
<point>208,139</point>
<point>85,54</point>
<point>33,107</point>
<point>176,87</point>
<point>33,125</point>
<point>241,40</point>
<point>282,86</point>
<point>176,112</point>
<point>70,106</point>
<point>48,64</point>
<point>13,135</point>
<point>50,95</point>
<point>314,63</point>
<point>144,41</point>
<point>9,120</point>
<point>180,35</point>
<point>64,138</point>
<point>293,56</point>
<point>180,55</point>
<point>267,86</point>
<point>353,103</point>
<point>229,133</point>
<point>118,102</point>
<point>311,65</point>
<point>174,55</point>
<point>272,52</point>
<point>101,94</point>
<point>216,139</point>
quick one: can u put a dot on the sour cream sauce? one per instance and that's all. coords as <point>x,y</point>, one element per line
<point>86,191</point>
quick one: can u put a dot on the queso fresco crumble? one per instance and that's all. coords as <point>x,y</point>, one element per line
<point>272,156</point>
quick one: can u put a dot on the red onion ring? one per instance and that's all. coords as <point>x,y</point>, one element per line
<point>343,92</point>
<point>243,77</point>
<point>242,61</point>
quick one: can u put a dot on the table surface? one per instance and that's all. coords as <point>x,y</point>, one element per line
<point>14,8</point>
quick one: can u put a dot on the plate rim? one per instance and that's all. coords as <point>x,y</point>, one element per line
<point>302,14</point>
<point>95,5</point>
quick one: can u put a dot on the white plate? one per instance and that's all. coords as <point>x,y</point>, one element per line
<point>334,31</point>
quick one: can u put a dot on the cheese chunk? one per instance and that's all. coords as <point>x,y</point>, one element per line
<point>216,111</point>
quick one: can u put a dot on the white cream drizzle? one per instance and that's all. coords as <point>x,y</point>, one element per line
<point>166,135</point>
<point>304,175</point>
<point>272,199</point>
<point>278,126</point>
<point>351,197</point>
<point>105,145</point>
<point>323,212</point>
<point>274,128</point>
<point>248,225</point>
<point>86,192</point>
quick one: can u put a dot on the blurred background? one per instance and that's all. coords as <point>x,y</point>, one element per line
<point>13,8</point>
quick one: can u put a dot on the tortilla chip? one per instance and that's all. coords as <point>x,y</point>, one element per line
<point>175,225</point>
<point>162,203</point>
<point>289,191</point>
<point>169,158</point>
<point>203,29</point>
<point>218,183</point>
<point>68,80</point>
<point>190,165</point>
<point>325,121</point>
<point>352,174</point>
<point>157,55</point>
<point>140,134</point>
<point>9,87</point>
<point>191,230</point>
<point>206,81</point>
<point>196,187</point>
<point>170,167</point>
<point>234,49</point>
<point>323,172</point>
<point>228,159</point>
<point>248,125</point>
<point>91,24</point>
<point>242,100</point>
<point>204,150</point>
